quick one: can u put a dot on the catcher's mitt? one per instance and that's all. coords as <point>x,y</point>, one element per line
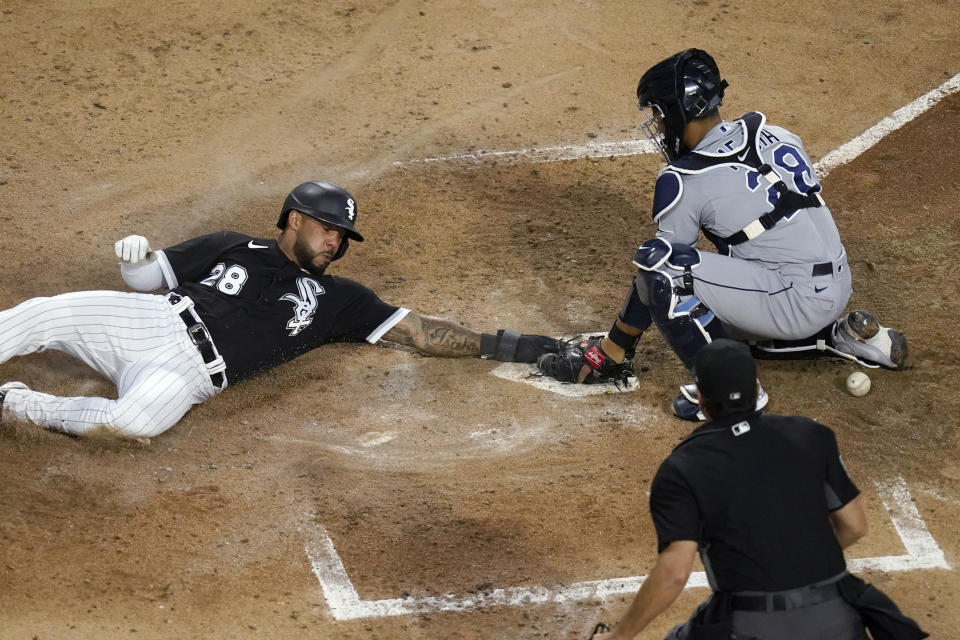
<point>566,365</point>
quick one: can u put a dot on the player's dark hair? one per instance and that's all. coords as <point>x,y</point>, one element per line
<point>724,409</point>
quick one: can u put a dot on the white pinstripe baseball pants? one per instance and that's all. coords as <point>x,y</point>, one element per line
<point>134,339</point>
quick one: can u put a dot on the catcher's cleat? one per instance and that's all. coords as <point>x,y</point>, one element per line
<point>7,386</point>
<point>859,335</point>
<point>566,366</point>
<point>687,406</point>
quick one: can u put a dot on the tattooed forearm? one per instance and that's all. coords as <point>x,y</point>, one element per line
<point>449,339</point>
<point>435,336</point>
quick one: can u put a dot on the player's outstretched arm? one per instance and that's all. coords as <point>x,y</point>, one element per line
<point>441,337</point>
<point>435,336</point>
<point>664,585</point>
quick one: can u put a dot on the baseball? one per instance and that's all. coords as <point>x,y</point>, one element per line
<point>858,383</point>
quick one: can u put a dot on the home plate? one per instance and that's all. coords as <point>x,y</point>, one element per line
<point>529,374</point>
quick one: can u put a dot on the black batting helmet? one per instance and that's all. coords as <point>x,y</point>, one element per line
<point>326,202</point>
<point>684,87</point>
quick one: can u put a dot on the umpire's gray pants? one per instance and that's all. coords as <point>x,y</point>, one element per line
<point>831,620</point>
<point>756,300</point>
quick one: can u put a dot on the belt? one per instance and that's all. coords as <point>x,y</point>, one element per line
<point>200,337</point>
<point>823,269</point>
<point>786,600</point>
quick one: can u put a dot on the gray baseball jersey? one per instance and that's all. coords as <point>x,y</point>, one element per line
<point>786,282</point>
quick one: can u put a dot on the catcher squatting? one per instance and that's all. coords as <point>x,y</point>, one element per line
<point>780,278</point>
<point>237,306</point>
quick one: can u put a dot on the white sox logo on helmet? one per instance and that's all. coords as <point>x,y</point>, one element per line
<point>351,210</point>
<point>305,306</point>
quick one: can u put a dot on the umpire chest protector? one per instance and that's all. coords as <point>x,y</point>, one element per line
<point>747,156</point>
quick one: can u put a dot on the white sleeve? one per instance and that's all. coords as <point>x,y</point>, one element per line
<point>387,324</point>
<point>169,277</point>
<point>149,275</point>
<point>142,276</point>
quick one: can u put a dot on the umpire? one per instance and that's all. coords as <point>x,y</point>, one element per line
<point>769,505</point>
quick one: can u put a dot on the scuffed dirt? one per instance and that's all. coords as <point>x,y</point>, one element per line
<point>432,476</point>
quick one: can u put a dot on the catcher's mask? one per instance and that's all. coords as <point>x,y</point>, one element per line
<point>684,87</point>
<point>326,202</point>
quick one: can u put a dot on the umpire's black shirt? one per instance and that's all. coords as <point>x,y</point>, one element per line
<point>755,492</point>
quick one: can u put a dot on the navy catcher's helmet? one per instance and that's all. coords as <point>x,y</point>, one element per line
<point>684,87</point>
<point>326,202</point>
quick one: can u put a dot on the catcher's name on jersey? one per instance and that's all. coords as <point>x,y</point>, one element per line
<point>262,309</point>
<point>713,189</point>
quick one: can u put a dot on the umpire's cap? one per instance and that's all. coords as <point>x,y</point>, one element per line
<point>326,202</point>
<point>726,377</point>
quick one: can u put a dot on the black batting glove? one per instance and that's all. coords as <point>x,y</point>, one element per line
<point>511,346</point>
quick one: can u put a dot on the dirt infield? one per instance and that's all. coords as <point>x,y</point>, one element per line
<point>459,503</point>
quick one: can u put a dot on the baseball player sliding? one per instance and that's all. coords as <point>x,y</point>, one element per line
<point>780,278</point>
<point>236,307</point>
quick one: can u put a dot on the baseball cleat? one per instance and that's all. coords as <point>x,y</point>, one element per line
<point>859,335</point>
<point>8,386</point>
<point>686,405</point>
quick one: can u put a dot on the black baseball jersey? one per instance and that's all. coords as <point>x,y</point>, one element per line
<point>262,309</point>
<point>755,493</point>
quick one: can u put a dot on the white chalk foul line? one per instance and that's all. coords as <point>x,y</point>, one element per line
<point>548,154</point>
<point>839,156</point>
<point>922,552</point>
<point>850,150</point>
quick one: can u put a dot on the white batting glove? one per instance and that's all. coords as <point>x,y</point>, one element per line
<point>132,249</point>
